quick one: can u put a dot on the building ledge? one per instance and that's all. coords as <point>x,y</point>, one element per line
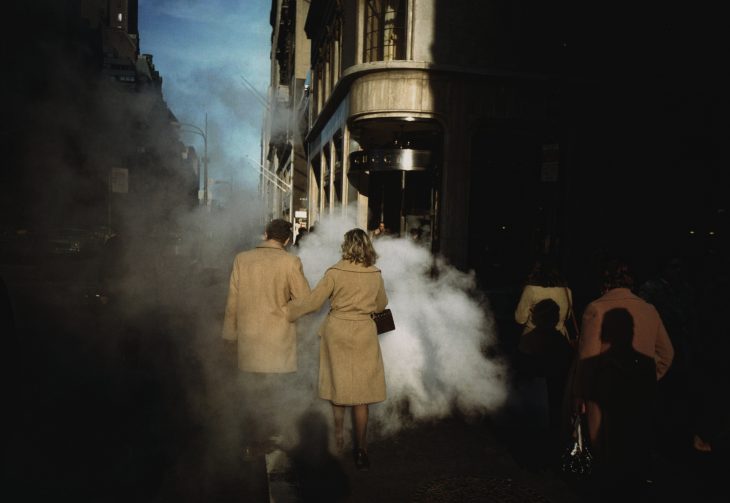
<point>354,72</point>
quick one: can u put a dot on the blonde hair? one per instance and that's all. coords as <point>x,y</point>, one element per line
<point>358,248</point>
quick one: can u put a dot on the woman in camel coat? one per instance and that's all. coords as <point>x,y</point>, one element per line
<point>351,372</point>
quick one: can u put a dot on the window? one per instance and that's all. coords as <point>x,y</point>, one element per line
<point>328,67</point>
<point>384,30</point>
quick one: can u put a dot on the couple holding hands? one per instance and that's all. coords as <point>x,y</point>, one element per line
<point>268,292</point>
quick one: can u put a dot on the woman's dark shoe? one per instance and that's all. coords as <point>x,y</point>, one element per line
<point>362,462</point>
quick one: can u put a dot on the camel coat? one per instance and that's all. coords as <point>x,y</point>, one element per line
<point>650,336</point>
<point>650,339</point>
<point>262,281</point>
<point>351,368</point>
<point>532,294</point>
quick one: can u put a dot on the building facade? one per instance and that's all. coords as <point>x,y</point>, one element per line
<point>497,131</point>
<point>94,145</point>
<point>436,119</point>
<point>283,181</point>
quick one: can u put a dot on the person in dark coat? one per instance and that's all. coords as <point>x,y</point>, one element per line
<point>547,353</point>
<point>674,299</point>
<point>621,382</point>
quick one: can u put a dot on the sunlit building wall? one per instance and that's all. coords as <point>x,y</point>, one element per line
<point>283,181</point>
<point>427,115</point>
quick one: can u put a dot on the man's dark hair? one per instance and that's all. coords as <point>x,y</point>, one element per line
<point>279,230</point>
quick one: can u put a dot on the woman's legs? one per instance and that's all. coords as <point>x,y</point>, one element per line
<point>360,416</point>
<point>338,412</point>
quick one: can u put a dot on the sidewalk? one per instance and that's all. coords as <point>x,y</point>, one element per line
<point>457,460</point>
<point>448,461</point>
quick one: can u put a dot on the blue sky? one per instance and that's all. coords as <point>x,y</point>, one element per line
<point>203,49</point>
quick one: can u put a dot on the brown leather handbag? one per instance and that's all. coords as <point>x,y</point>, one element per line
<point>383,321</point>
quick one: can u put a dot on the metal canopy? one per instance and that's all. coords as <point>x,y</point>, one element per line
<point>396,159</point>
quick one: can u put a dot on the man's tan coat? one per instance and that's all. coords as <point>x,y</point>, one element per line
<point>262,281</point>
<point>351,368</point>
<point>650,336</point>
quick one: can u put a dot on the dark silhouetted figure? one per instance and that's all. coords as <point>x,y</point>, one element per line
<point>546,353</point>
<point>674,300</point>
<point>621,382</point>
<point>711,372</point>
<point>301,234</point>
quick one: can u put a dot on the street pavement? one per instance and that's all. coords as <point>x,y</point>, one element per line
<point>451,460</point>
<point>484,459</point>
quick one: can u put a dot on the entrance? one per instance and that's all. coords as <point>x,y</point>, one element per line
<point>396,168</point>
<point>404,202</point>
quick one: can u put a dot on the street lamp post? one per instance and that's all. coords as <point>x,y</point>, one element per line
<point>192,128</point>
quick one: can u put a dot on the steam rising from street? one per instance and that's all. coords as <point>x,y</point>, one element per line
<point>434,360</point>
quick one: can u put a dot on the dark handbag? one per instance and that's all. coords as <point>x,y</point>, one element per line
<point>577,459</point>
<point>383,321</point>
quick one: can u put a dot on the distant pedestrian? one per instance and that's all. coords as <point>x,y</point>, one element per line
<point>262,281</point>
<point>649,335</point>
<point>351,372</point>
<point>380,231</point>
<point>711,372</point>
<point>545,281</point>
<point>674,299</point>
<point>547,354</point>
<point>620,384</point>
<point>301,234</point>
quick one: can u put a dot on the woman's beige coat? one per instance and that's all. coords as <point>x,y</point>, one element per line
<point>263,280</point>
<point>532,294</point>
<point>351,368</point>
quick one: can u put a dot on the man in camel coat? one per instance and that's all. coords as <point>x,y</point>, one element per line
<point>648,339</point>
<point>262,281</point>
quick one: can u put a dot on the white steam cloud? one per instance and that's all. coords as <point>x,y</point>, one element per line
<point>435,360</point>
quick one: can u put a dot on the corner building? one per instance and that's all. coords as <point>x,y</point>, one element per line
<point>434,118</point>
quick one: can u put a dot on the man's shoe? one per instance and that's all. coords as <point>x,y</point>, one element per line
<point>362,462</point>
